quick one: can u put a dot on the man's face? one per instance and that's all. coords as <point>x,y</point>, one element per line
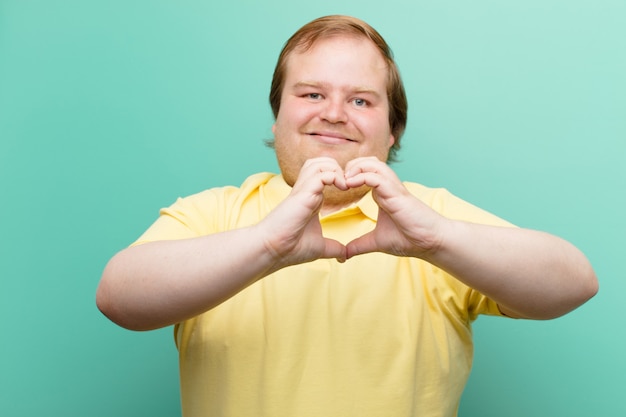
<point>334,103</point>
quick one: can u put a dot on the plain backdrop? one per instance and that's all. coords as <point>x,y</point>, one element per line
<point>110,110</point>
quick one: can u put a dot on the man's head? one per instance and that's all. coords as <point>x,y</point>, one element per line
<point>344,26</point>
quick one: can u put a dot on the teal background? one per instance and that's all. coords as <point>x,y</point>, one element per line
<point>110,110</point>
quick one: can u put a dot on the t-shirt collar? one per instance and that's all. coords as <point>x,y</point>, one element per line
<point>277,190</point>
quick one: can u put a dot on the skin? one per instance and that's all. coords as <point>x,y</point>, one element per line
<point>332,137</point>
<point>334,104</point>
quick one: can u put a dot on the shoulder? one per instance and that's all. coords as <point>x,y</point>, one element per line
<point>451,206</point>
<point>209,211</point>
<point>228,192</point>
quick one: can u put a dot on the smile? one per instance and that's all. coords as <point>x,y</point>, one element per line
<point>331,137</point>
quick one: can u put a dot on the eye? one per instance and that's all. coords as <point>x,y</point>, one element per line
<point>359,102</point>
<point>314,96</point>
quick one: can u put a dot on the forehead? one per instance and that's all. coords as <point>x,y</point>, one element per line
<point>338,57</point>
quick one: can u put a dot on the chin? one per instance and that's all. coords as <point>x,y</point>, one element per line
<point>338,198</point>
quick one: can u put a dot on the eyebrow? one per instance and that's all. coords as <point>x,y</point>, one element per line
<point>355,89</point>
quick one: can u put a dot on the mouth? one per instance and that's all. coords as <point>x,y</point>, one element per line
<point>330,137</point>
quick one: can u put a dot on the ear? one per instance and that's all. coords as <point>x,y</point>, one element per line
<point>274,128</point>
<point>392,140</point>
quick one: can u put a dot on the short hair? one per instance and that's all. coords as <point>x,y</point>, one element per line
<point>334,25</point>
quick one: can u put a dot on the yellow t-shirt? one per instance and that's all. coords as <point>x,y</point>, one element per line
<point>376,336</point>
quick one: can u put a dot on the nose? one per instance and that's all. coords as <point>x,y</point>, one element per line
<point>334,111</point>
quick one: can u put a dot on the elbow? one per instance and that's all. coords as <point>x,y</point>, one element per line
<point>105,301</point>
<point>584,282</point>
<point>586,287</point>
<point>590,285</point>
<point>582,290</point>
<point>566,297</point>
<point>578,286</point>
<point>111,303</point>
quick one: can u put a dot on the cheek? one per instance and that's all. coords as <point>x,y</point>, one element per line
<point>281,125</point>
<point>281,129</point>
<point>294,114</point>
<point>375,126</point>
<point>283,121</point>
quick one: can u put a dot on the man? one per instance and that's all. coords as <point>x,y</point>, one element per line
<point>334,289</point>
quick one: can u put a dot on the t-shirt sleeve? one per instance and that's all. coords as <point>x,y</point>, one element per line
<point>453,207</point>
<point>188,217</point>
<point>210,211</point>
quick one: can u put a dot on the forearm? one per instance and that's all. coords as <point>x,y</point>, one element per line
<point>161,283</point>
<point>528,273</point>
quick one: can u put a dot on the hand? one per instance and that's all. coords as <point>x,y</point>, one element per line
<point>405,226</point>
<point>292,230</point>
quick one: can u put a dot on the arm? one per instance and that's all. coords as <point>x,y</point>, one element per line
<point>161,283</point>
<point>529,274</point>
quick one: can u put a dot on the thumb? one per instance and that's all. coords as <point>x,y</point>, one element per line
<point>362,244</point>
<point>334,249</point>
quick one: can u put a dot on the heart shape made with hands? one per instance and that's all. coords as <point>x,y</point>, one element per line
<point>395,234</point>
<point>323,185</point>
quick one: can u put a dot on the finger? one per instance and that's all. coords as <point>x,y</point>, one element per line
<point>334,177</point>
<point>368,171</point>
<point>320,172</point>
<point>366,164</point>
<point>362,244</point>
<point>334,249</point>
<point>320,164</point>
<point>371,179</point>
